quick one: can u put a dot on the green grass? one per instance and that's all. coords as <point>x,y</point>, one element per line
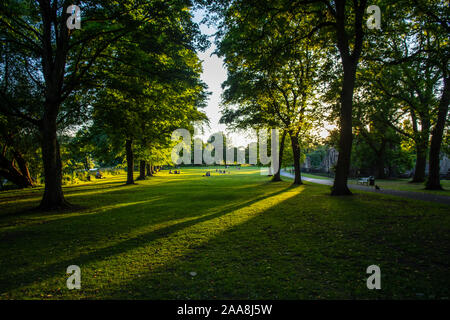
<point>245,237</point>
<point>308,175</point>
<point>397,184</point>
<point>405,185</point>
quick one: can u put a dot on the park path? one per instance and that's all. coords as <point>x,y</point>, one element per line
<point>406,194</point>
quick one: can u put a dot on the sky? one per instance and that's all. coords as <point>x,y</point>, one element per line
<point>214,74</point>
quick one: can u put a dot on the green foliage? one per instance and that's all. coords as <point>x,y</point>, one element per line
<point>151,87</point>
<point>317,155</point>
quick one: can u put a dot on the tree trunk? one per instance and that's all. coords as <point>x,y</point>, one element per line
<point>346,136</point>
<point>350,54</point>
<point>15,177</point>
<point>380,164</point>
<point>130,161</point>
<point>141,170</point>
<point>421,163</point>
<point>433,182</point>
<point>20,178</point>
<point>277,176</point>
<point>296,153</point>
<point>149,170</point>
<point>86,164</point>
<point>53,198</point>
<point>23,167</point>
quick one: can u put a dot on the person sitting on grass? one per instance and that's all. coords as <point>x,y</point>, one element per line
<point>170,171</point>
<point>98,175</point>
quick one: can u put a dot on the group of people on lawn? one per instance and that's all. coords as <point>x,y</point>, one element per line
<point>208,173</point>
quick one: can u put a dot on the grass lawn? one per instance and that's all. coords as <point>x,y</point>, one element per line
<point>308,175</point>
<point>405,185</point>
<point>397,184</point>
<point>243,236</point>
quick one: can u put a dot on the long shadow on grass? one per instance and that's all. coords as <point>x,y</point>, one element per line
<point>303,249</point>
<point>26,200</point>
<point>29,210</point>
<point>167,207</point>
<point>10,282</point>
<point>76,194</point>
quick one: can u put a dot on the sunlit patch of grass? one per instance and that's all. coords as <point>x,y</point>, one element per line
<point>243,236</point>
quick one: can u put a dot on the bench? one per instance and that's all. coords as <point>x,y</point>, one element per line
<point>366,181</point>
<point>363,181</point>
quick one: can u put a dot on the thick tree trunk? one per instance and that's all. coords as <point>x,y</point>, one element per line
<point>380,170</point>
<point>433,182</point>
<point>421,163</point>
<point>346,136</point>
<point>296,153</point>
<point>141,170</point>
<point>130,161</point>
<point>149,170</point>
<point>350,54</point>
<point>277,176</point>
<point>421,141</point>
<point>380,164</point>
<point>53,198</point>
<point>53,69</point>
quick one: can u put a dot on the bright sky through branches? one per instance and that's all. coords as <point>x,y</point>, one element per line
<point>214,74</point>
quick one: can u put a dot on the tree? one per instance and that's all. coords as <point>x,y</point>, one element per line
<point>17,144</point>
<point>148,92</point>
<point>266,77</point>
<point>412,66</point>
<point>339,24</point>
<point>347,23</point>
<point>60,60</point>
<point>434,19</point>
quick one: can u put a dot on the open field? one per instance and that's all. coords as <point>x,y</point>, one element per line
<point>243,236</point>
